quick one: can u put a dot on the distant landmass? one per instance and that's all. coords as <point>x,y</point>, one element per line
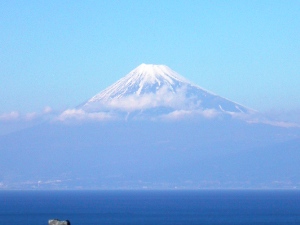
<point>153,129</point>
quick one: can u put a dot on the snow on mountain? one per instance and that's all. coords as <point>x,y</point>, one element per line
<point>141,80</point>
<point>156,91</point>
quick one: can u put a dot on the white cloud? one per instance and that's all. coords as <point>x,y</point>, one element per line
<point>292,116</point>
<point>275,123</point>
<point>31,116</point>
<point>208,113</point>
<point>15,116</point>
<point>81,115</point>
<point>282,124</point>
<point>287,119</point>
<point>163,97</point>
<point>11,116</point>
<point>47,110</point>
<point>181,114</point>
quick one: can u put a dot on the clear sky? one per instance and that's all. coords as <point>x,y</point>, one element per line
<point>60,53</point>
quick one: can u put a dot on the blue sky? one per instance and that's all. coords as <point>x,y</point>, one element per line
<point>61,53</point>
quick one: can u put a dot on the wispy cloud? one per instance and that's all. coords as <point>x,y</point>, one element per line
<point>16,116</point>
<point>13,121</point>
<point>81,115</point>
<point>284,115</point>
<point>281,124</point>
<point>163,97</point>
<point>47,110</point>
<point>183,114</point>
<point>273,122</point>
<point>11,116</point>
<point>31,116</point>
<point>287,119</point>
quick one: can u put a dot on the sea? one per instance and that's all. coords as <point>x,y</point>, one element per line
<point>205,207</point>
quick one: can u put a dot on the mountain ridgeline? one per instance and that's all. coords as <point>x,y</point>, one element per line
<point>152,129</point>
<point>156,92</point>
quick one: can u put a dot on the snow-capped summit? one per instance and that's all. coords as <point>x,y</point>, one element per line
<point>156,90</point>
<point>144,78</point>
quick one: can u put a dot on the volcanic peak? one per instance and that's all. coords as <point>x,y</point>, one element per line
<point>157,87</point>
<point>144,78</point>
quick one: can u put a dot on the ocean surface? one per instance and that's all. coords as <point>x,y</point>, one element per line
<point>150,207</point>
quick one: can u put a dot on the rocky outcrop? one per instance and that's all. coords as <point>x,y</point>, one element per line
<point>59,222</point>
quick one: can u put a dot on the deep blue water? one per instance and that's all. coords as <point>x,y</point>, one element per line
<point>150,207</point>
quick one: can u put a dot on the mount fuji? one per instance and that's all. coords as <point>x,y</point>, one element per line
<point>152,129</point>
<point>157,92</point>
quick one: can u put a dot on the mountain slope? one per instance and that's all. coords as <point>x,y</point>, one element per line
<point>157,91</point>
